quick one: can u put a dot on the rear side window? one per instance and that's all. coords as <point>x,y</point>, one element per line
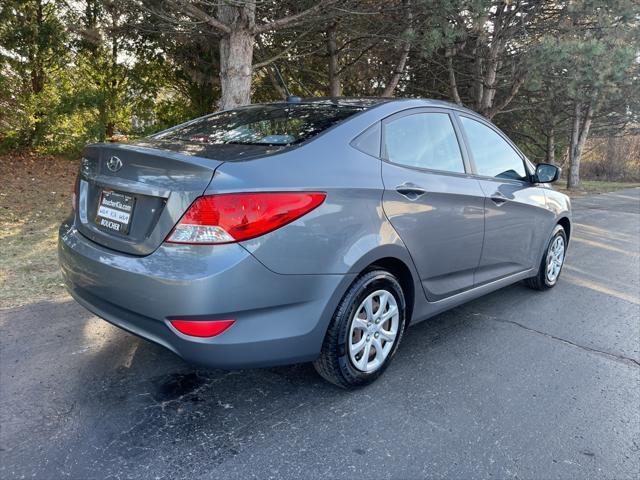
<point>423,140</point>
<point>493,156</point>
<point>278,124</point>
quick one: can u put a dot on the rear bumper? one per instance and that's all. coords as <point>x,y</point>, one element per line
<point>279,319</point>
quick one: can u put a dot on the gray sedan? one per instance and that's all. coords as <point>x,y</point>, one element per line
<point>308,230</point>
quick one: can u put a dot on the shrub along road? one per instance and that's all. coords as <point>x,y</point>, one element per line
<point>517,384</point>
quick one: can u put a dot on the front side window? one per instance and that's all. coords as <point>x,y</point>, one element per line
<point>277,124</point>
<point>424,140</point>
<point>493,156</point>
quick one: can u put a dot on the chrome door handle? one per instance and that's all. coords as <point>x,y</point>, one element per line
<point>410,190</point>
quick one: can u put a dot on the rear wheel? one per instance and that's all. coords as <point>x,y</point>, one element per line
<point>365,331</point>
<point>551,263</point>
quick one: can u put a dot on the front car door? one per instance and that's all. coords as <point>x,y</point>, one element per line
<point>430,199</point>
<point>516,217</point>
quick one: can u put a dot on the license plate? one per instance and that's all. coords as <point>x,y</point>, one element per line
<point>114,211</point>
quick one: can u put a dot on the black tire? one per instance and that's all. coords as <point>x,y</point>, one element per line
<point>334,363</point>
<point>540,281</point>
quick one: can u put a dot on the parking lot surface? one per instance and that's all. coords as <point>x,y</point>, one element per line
<point>518,384</point>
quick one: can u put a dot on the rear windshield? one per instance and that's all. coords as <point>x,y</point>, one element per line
<point>278,124</point>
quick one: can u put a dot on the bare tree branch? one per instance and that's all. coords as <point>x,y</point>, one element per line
<point>515,86</point>
<point>284,52</point>
<point>293,20</point>
<point>196,13</point>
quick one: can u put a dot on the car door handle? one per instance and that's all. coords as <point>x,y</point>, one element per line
<point>410,190</point>
<point>499,199</point>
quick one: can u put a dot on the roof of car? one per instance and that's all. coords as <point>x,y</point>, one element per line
<point>337,101</point>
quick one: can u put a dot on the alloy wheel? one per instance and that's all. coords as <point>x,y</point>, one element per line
<point>555,258</point>
<point>373,331</point>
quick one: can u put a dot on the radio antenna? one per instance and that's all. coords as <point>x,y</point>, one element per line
<point>290,98</point>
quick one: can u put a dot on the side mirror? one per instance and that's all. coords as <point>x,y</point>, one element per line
<point>547,173</point>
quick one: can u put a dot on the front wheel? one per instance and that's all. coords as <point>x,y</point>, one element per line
<point>552,262</point>
<point>365,331</point>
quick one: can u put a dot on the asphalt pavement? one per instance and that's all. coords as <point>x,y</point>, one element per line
<point>518,384</point>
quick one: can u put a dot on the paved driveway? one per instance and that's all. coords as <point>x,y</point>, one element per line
<point>517,384</point>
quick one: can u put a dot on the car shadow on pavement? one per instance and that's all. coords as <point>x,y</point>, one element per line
<point>130,396</point>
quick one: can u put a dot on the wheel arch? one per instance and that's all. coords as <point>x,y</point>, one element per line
<point>565,223</point>
<point>395,260</point>
<point>401,271</point>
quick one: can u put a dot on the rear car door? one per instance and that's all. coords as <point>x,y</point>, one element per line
<point>430,200</point>
<point>516,217</point>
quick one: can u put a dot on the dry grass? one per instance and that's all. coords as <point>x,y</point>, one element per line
<point>593,186</point>
<point>34,198</point>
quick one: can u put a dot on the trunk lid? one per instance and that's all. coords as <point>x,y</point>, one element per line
<point>130,197</point>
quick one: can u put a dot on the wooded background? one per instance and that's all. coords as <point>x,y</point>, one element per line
<point>562,78</point>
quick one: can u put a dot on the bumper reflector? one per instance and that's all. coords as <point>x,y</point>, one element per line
<point>201,328</point>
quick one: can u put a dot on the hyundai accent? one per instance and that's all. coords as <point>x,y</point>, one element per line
<point>308,230</point>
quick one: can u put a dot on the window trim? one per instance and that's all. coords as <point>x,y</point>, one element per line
<point>472,161</point>
<point>466,165</point>
<point>354,143</point>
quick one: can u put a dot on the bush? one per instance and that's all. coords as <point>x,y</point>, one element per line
<point>612,159</point>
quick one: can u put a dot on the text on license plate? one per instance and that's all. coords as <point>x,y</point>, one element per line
<point>114,211</point>
<point>115,215</point>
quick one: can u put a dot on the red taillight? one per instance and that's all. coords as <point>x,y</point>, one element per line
<point>201,328</point>
<point>234,217</point>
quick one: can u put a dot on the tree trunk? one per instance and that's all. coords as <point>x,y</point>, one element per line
<point>103,119</point>
<point>335,89</point>
<point>112,84</point>
<point>395,78</point>
<point>452,81</point>
<point>491,67</point>
<point>36,54</point>
<point>235,24</point>
<point>236,57</point>
<point>565,157</point>
<point>579,134</point>
<point>38,78</point>
<point>487,68</point>
<point>404,54</point>
<point>490,79</point>
<point>573,180</point>
<point>236,53</point>
<point>478,81</point>
<point>551,145</point>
